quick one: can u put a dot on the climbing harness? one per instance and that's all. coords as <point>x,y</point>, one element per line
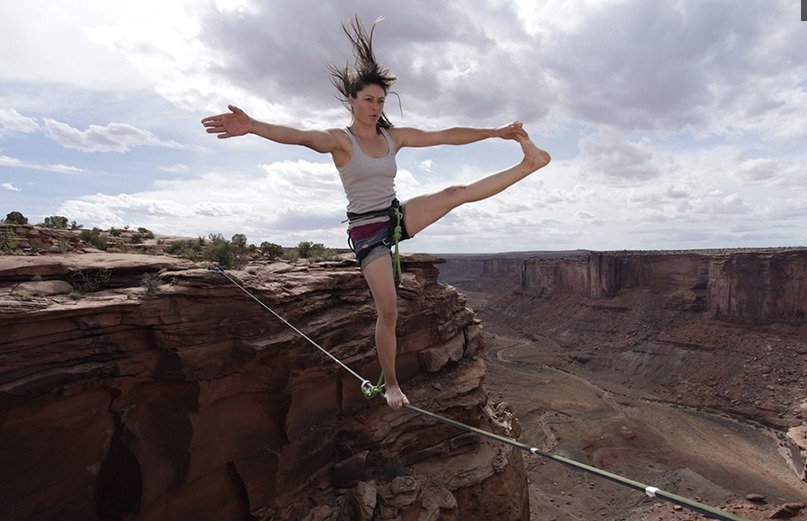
<point>370,391</point>
<point>396,215</point>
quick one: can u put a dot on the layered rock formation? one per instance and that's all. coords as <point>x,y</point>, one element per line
<point>138,387</point>
<point>721,330</point>
<point>748,287</point>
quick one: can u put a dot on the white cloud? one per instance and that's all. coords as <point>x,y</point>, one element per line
<point>9,161</point>
<point>9,187</point>
<point>612,156</point>
<point>177,169</point>
<point>669,123</point>
<point>50,45</point>
<point>12,122</point>
<point>114,137</point>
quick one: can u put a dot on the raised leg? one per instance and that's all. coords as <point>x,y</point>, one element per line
<point>378,274</point>
<point>425,210</point>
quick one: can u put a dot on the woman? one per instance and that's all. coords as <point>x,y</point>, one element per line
<point>364,155</point>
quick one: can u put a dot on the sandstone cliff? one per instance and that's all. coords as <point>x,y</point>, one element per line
<point>138,387</point>
<point>716,330</point>
<point>752,287</point>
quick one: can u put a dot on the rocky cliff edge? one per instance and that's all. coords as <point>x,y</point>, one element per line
<point>139,387</point>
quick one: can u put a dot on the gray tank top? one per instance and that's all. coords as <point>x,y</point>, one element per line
<point>369,182</point>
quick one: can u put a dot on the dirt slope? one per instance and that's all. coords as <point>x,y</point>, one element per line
<point>572,373</point>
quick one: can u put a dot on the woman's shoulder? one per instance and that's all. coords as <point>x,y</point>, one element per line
<point>400,135</point>
<point>341,136</point>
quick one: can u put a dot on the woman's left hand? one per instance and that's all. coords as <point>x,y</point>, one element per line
<point>512,131</point>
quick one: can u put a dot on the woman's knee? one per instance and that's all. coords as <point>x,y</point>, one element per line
<point>387,315</point>
<point>388,310</point>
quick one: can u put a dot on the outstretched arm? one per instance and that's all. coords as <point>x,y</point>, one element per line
<point>412,137</point>
<point>238,123</point>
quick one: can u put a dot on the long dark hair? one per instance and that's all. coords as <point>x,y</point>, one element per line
<point>349,80</point>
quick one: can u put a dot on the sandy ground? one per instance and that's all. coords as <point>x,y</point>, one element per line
<point>703,456</point>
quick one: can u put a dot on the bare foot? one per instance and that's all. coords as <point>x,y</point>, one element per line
<point>534,157</point>
<point>395,397</point>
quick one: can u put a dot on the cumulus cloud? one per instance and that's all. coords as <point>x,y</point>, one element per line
<point>12,122</point>
<point>669,121</point>
<point>9,187</point>
<point>114,137</point>
<point>610,155</point>
<point>9,161</point>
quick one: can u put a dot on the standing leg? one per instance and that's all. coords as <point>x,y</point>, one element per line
<point>378,274</point>
<point>425,210</point>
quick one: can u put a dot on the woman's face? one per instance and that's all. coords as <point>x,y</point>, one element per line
<point>368,104</point>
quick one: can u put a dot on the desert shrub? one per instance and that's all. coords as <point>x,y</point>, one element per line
<point>136,238</point>
<point>150,282</point>
<point>91,281</point>
<point>57,222</point>
<point>145,233</point>
<point>94,238</point>
<point>222,252</point>
<point>8,241</point>
<point>16,218</point>
<point>291,254</point>
<point>64,244</point>
<point>191,249</point>
<point>37,245</point>
<point>271,250</point>
<point>304,249</point>
<point>115,232</point>
<point>316,251</point>
<point>239,242</point>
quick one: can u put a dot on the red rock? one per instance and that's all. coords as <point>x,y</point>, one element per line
<point>193,398</point>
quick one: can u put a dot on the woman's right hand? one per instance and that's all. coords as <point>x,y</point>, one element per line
<point>232,124</point>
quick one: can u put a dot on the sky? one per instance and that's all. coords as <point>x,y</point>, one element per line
<point>672,125</point>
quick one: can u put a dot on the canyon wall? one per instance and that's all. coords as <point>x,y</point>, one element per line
<point>743,287</point>
<point>137,387</point>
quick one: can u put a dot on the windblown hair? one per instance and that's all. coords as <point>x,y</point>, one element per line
<point>349,80</point>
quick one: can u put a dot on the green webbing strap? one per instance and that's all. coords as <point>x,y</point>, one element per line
<point>397,233</point>
<point>371,391</point>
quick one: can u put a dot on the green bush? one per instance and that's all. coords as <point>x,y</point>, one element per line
<point>239,242</point>
<point>57,222</point>
<point>271,250</point>
<point>8,241</point>
<point>145,233</point>
<point>92,281</point>
<point>16,218</point>
<point>37,245</point>
<point>94,238</point>
<point>222,252</point>
<point>191,249</point>
<point>316,251</point>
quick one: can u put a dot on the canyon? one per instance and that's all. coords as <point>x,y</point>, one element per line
<point>679,369</point>
<point>148,387</point>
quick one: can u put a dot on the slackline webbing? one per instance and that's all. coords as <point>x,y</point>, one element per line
<point>370,391</point>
